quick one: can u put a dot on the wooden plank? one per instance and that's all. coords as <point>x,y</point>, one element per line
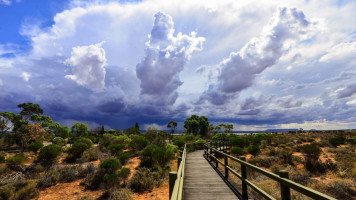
<point>202,182</point>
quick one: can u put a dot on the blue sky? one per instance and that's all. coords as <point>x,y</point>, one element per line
<point>112,63</point>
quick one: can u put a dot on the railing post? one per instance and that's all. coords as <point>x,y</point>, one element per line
<point>285,191</point>
<point>180,153</point>
<point>178,162</point>
<point>226,170</point>
<point>211,154</point>
<point>172,180</point>
<point>244,175</point>
<point>217,163</point>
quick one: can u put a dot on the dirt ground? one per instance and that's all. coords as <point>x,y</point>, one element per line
<point>69,191</point>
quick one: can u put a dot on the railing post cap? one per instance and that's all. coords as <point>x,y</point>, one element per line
<point>172,172</point>
<point>283,173</point>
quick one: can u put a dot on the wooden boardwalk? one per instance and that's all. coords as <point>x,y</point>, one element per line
<point>202,182</point>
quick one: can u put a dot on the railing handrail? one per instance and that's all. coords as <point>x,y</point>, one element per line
<point>283,181</point>
<point>177,193</point>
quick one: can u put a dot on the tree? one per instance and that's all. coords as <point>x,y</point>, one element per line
<point>137,126</point>
<point>28,133</point>
<point>80,129</point>
<point>102,131</point>
<point>3,126</point>
<point>12,120</point>
<point>132,131</point>
<point>172,125</point>
<point>195,124</point>
<point>29,109</point>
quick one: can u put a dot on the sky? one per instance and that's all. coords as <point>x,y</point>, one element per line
<point>259,64</point>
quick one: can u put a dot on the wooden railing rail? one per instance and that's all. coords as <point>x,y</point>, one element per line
<point>176,179</point>
<point>212,149</point>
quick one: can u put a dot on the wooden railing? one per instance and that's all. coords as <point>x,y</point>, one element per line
<point>176,179</point>
<point>213,149</point>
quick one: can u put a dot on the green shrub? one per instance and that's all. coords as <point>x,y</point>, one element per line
<point>189,137</point>
<point>118,194</point>
<point>259,161</point>
<point>286,154</point>
<point>123,156</point>
<point>27,192</point>
<point>111,180</point>
<point>237,151</point>
<point>15,161</point>
<point>59,141</point>
<point>68,174</point>
<point>77,150</point>
<point>35,146</point>
<point>254,150</point>
<point>155,156</point>
<point>92,154</point>
<point>137,143</point>
<point>142,181</point>
<point>49,154</point>
<point>240,141</point>
<point>336,141</point>
<point>220,137</point>
<point>124,174</point>
<point>172,147</point>
<point>114,148</point>
<point>7,192</point>
<point>49,179</point>
<point>110,165</point>
<point>257,138</point>
<point>178,141</point>
<point>311,151</point>
<point>2,156</point>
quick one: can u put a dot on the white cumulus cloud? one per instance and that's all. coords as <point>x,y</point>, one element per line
<point>165,57</point>
<point>238,72</point>
<point>88,66</point>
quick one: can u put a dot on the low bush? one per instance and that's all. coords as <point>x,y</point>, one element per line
<point>336,141</point>
<point>111,180</point>
<point>240,141</point>
<point>137,143</point>
<point>2,156</point>
<point>59,141</point>
<point>117,194</point>
<point>68,174</point>
<point>220,137</point>
<point>48,155</point>
<point>155,156</point>
<point>124,174</point>
<point>340,189</point>
<point>254,150</point>
<point>113,148</point>
<point>142,181</point>
<point>92,154</point>
<point>266,161</point>
<point>7,192</point>
<point>286,154</point>
<point>16,161</point>
<point>110,165</point>
<point>123,156</point>
<point>178,141</point>
<point>237,151</point>
<point>27,192</point>
<point>35,146</point>
<point>50,178</point>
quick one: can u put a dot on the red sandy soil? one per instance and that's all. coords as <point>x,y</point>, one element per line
<point>160,193</point>
<point>132,164</point>
<point>68,191</point>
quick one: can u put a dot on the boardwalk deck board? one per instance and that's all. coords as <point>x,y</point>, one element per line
<point>202,182</point>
